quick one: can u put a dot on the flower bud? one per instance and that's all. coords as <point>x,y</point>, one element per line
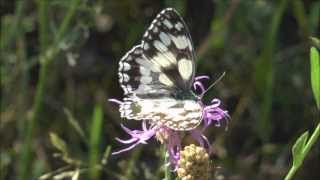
<point>194,163</point>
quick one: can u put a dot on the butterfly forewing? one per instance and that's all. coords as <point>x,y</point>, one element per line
<point>167,43</point>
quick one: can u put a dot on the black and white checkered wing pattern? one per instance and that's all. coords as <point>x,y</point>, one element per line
<point>141,77</point>
<point>176,114</point>
<point>153,74</point>
<point>163,63</point>
<point>167,43</point>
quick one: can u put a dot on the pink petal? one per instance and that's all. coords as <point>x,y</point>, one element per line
<point>115,101</point>
<point>129,141</point>
<point>125,149</point>
<point>201,77</point>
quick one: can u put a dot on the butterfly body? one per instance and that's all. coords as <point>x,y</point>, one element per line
<point>157,76</point>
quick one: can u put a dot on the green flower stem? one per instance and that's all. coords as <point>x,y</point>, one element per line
<point>45,58</point>
<point>312,140</point>
<point>167,173</point>
<point>314,137</point>
<point>95,136</point>
<point>132,163</point>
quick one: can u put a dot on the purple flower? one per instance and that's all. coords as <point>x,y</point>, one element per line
<point>137,136</point>
<point>212,114</point>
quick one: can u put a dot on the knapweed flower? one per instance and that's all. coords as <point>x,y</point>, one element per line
<point>194,163</point>
<point>211,114</point>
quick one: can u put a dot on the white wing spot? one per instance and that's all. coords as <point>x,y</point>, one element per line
<point>120,77</point>
<point>137,51</point>
<point>167,23</point>
<point>161,47</point>
<point>148,65</point>
<point>126,77</point>
<point>146,46</point>
<point>144,71</point>
<point>120,66</point>
<point>177,119</point>
<point>180,41</point>
<point>170,56</point>
<point>165,80</point>
<point>146,79</point>
<point>191,105</point>
<point>158,58</point>
<point>128,58</point>
<point>151,26</point>
<point>147,107</point>
<point>146,34</point>
<point>179,26</point>
<point>126,89</point>
<point>125,66</point>
<point>155,29</point>
<point>185,68</point>
<point>175,111</point>
<point>168,103</point>
<point>165,38</point>
<point>143,88</point>
<point>194,115</point>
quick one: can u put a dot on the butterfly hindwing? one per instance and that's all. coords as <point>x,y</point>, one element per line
<point>140,76</point>
<point>176,114</point>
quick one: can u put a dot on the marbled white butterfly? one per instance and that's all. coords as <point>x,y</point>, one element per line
<point>157,76</point>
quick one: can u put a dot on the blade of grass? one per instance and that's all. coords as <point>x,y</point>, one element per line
<point>74,123</point>
<point>95,135</point>
<point>106,155</point>
<point>217,30</point>
<point>45,58</point>
<point>14,29</point>
<point>43,26</point>
<point>314,17</point>
<point>131,164</point>
<point>301,16</point>
<point>264,72</point>
<point>26,154</point>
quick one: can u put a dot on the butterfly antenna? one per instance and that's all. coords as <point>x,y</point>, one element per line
<point>214,83</point>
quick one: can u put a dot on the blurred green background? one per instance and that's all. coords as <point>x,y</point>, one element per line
<point>59,61</point>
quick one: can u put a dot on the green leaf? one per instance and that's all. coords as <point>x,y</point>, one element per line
<point>58,143</point>
<point>315,74</point>
<point>298,147</point>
